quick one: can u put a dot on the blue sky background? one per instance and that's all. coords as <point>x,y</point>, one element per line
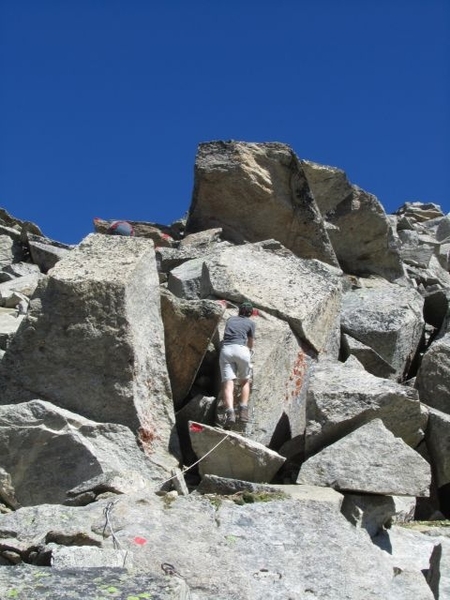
<point>103,103</point>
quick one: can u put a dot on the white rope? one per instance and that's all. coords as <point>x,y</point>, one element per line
<point>198,461</point>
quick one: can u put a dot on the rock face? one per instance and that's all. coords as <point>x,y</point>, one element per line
<point>387,318</point>
<point>93,340</point>
<point>359,230</point>
<point>109,358</point>
<point>256,192</point>
<point>356,397</point>
<point>239,458</point>
<point>369,460</point>
<point>433,377</point>
<point>58,441</point>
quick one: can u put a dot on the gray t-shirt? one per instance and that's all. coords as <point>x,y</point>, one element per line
<point>238,330</point>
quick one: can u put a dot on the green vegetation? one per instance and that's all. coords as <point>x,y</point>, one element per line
<point>246,497</point>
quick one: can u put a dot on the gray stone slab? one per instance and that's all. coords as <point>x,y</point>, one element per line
<point>227,454</point>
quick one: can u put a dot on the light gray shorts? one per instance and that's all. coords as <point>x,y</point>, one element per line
<point>234,362</point>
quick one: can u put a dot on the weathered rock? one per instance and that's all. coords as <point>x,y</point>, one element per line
<point>45,252</point>
<point>8,220</point>
<point>87,557</point>
<point>226,486</point>
<point>227,454</point>
<point>185,281</point>
<point>178,482</point>
<point>369,460</point>
<point>212,484</point>
<point>410,584</point>
<point>417,248</point>
<point>25,284</point>
<point>442,537</point>
<point>18,269</point>
<point>255,192</point>
<point>405,507</point>
<point>200,409</point>
<point>433,275</point>
<point>202,239</point>
<point>370,360</point>
<point>10,246</point>
<point>387,318</point>
<point>93,339</point>
<point>7,492</point>
<point>418,212</point>
<point>63,451</point>
<point>188,329</point>
<point>305,293</point>
<point>10,321</point>
<point>438,444</point>
<point>369,512</point>
<point>169,258</point>
<point>341,397</point>
<point>414,552</point>
<point>433,377</point>
<point>42,583</point>
<point>361,234</point>
<point>256,545</point>
<point>15,300</point>
<point>116,482</point>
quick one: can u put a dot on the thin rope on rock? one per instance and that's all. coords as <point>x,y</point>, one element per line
<point>198,461</point>
<point>116,544</point>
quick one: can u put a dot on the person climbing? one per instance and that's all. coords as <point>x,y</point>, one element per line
<point>234,362</point>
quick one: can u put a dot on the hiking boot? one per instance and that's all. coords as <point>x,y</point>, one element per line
<point>230,418</point>
<point>243,413</point>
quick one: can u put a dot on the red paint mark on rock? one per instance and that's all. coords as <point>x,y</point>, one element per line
<point>140,541</point>
<point>196,428</point>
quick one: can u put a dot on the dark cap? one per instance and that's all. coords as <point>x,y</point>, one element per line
<point>246,308</point>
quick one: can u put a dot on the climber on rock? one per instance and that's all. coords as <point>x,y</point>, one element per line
<point>235,362</point>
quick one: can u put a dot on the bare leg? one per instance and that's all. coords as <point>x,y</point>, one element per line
<point>227,393</point>
<point>245,391</point>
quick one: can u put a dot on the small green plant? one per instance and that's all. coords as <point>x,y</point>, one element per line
<point>425,524</point>
<point>215,500</point>
<point>168,499</point>
<point>231,539</point>
<point>248,497</point>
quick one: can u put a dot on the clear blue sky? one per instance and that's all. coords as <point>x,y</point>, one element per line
<point>103,103</point>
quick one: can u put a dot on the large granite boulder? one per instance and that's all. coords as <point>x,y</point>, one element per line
<point>228,454</point>
<point>341,397</point>
<point>387,318</point>
<point>433,377</point>
<point>48,450</point>
<point>255,192</point>
<point>93,339</point>
<point>438,444</point>
<point>359,230</point>
<point>369,460</point>
<point>256,545</point>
